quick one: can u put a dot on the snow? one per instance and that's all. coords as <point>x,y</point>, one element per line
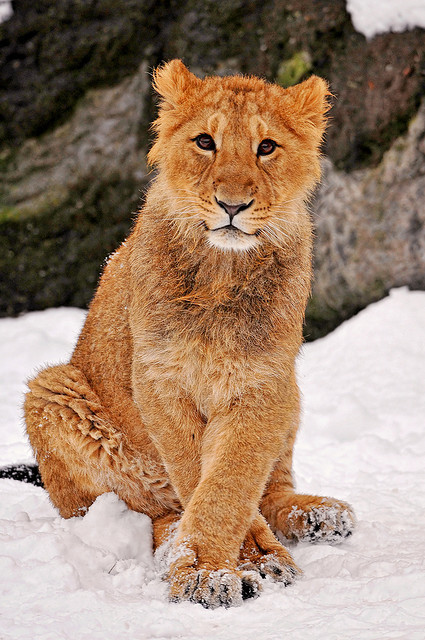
<point>6,10</point>
<point>361,440</point>
<point>379,16</point>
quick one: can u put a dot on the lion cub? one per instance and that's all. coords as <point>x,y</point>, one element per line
<point>181,394</point>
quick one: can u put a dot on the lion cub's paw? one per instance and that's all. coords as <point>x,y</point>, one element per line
<point>192,580</point>
<point>322,520</point>
<point>212,589</point>
<point>274,567</point>
<point>262,552</point>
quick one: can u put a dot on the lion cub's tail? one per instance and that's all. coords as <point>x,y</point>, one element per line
<point>23,472</point>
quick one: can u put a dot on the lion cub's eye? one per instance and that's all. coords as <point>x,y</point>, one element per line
<point>205,142</point>
<point>266,147</point>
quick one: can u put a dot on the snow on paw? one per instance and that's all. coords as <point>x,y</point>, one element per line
<point>213,589</point>
<point>326,520</point>
<point>251,585</point>
<point>274,567</point>
<point>278,569</point>
<point>262,552</point>
<point>191,579</point>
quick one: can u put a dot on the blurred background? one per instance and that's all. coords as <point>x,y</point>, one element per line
<point>75,108</point>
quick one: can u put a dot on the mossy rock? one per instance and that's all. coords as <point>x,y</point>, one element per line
<point>53,51</point>
<point>56,258</point>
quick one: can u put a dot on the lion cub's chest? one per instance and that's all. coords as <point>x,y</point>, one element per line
<point>212,362</point>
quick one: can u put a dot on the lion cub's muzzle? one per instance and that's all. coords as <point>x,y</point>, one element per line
<point>231,229</point>
<point>232,211</point>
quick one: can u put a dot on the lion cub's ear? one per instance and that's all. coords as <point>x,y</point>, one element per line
<point>311,100</point>
<point>172,81</point>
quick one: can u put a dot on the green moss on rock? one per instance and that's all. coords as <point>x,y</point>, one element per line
<point>294,70</point>
<point>55,258</point>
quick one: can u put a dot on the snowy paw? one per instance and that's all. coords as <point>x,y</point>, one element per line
<point>262,552</point>
<point>213,589</point>
<point>330,521</point>
<point>274,567</point>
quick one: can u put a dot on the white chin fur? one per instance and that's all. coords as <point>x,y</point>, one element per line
<point>231,240</point>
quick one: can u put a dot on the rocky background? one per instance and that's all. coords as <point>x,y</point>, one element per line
<point>75,107</point>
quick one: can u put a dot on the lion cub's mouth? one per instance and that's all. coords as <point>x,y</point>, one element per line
<point>229,237</point>
<point>231,227</point>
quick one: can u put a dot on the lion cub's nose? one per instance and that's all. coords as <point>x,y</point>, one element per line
<point>233,209</point>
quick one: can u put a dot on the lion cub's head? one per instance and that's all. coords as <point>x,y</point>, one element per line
<point>238,155</point>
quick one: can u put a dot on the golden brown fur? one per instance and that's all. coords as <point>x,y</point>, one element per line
<point>181,394</point>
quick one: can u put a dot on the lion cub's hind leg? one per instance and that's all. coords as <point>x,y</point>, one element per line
<point>80,452</point>
<point>262,552</point>
<point>306,518</point>
<point>317,519</point>
<point>60,414</point>
<point>70,497</point>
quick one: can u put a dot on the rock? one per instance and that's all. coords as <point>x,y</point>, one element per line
<point>75,108</point>
<point>53,51</point>
<point>370,227</point>
<point>68,198</point>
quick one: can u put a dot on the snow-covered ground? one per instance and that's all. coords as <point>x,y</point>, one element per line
<point>362,440</point>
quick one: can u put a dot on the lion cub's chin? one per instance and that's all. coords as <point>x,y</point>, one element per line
<point>232,240</point>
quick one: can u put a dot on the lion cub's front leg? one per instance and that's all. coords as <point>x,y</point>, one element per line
<point>220,490</point>
<point>239,448</point>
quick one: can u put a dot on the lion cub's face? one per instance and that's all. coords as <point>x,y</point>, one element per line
<point>239,155</point>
